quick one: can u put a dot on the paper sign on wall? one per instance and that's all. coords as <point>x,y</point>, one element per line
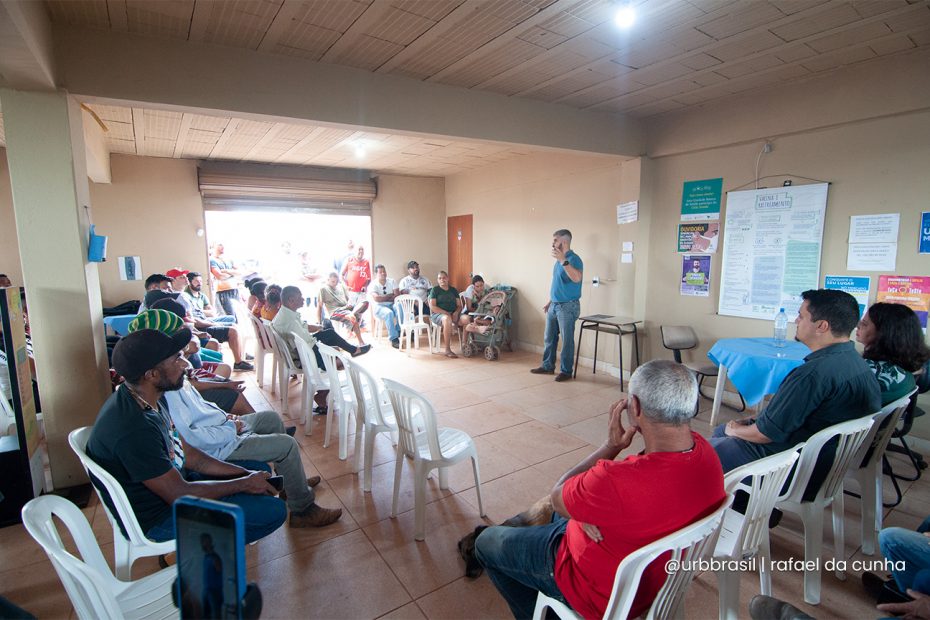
<point>871,256</point>
<point>700,237</point>
<point>695,275</point>
<point>857,286</point>
<point>923,243</point>
<point>628,212</point>
<point>700,200</point>
<point>912,291</point>
<point>881,228</point>
<point>130,268</point>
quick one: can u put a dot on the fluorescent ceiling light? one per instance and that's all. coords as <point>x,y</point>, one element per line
<point>625,16</point>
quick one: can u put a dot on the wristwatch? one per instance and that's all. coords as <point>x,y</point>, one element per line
<point>566,263</point>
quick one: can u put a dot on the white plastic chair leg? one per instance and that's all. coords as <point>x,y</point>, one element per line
<point>398,466</point>
<point>870,488</point>
<point>765,573</point>
<point>839,533</point>
<point>443,478</point>
<point>123,557</point>
<point>369,456</point>
<point>812,517</point>
<point>419,502</point>
<point>330,412</point>
<point>728,586</point>
<point>474,469</point>
<point>344,434</point>
<point>260,368</point>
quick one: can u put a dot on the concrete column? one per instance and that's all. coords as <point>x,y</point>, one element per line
<point>51,202</point>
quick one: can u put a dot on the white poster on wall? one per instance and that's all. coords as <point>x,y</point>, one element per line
<point>771,249</point>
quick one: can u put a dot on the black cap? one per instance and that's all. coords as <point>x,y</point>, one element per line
<point>154,295</point>
<point>412,263</point>
<point>171,305</point>
<point>143,350</point>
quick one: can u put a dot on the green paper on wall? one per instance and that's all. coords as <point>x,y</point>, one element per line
<point>700,200</point>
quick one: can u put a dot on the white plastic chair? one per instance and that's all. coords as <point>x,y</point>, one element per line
<point>866,469</point>
<point>263,348</point>
<point>343,397</point>
<point>411,324</point>
<point>314,381</point>
<point>850,435</point>
<point>747,535</point>
<point>375,415</point>
<point>92,588</point>
<point>137,546</point>
<point>688,546</point>
<point>436,335</point>
<point>284,362</point>
<point>378,328</point>
<point>431,448</point>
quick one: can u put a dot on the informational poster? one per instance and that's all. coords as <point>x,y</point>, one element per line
<point>857,286</point>
<point>771,249</point>
<point>699,237</point>
<point>628,212</point>
<point>130,268</point>
<point>871,256</point>
<point>923,243</point>
<point>912,291</point>
<point>700,200</point>
<point>881,228</point>
<point>695,275</point>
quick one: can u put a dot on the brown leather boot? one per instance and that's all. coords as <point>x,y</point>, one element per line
<point>314,516</point>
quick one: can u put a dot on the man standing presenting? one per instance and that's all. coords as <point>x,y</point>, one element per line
<point>563,307</point>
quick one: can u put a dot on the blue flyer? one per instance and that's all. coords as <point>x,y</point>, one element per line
<point>857,286</point>
<point>923,246</point>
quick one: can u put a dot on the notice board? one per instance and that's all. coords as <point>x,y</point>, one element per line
<point>771,249</point>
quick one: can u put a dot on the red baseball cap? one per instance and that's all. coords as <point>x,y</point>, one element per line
<point>176,273</point>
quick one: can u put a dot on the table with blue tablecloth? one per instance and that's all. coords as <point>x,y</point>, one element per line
<point>118,323</point>
<point>755,366</point>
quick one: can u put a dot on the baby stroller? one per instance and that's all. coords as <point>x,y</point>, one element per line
<point>492,312</point>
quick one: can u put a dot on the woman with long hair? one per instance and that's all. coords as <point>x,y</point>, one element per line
<point>895,348</point>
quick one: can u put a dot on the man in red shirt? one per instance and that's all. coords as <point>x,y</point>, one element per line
<point>357,274</point>
<point>605,509</point>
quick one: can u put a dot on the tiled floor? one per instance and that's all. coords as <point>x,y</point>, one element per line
<point>528,430</point>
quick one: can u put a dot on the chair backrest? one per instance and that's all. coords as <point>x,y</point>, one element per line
<point>261,335</point>
<point>125,519</point>
<point>308,361</point>
<point>677,338</point>
<point>330,355</point>
<point>767,477</point>
<point>370,402</point>
<point>849,436</point>
<point>413,414</point>
<point>282,351</point>
<point>688,546</point>
<point>87,579</point>
<point>884,423</point>
<point>407,305</point>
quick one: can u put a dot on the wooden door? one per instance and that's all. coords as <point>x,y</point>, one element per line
<point>459,233</point>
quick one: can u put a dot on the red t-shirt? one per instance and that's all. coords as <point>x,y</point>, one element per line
<point>358,274</point>
<point>633,502</point>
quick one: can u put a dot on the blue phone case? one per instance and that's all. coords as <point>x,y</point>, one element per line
<point>210,536</point>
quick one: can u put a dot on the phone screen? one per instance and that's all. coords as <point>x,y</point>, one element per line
<point>210,558</point>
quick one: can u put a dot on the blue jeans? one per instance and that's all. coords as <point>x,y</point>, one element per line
<point>521,562</point>
<point>560,319</point>
<point>224,320</point>
<point>734,452</point>
<point>263,515</point>
<point>913,548</point>
<point>386,314</point>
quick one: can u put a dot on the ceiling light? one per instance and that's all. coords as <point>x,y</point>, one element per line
<point>360,150</point>
<point>625,16</point>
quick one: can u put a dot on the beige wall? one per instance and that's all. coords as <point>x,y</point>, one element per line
<point>9,245</point>
<point>519,203</point>
<point>408,222</point>
<point>151,210</point>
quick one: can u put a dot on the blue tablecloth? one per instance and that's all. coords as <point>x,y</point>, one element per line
<point>119,323</point>
<point>755,365</point>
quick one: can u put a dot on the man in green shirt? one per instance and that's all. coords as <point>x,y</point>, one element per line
<point>445,307</point>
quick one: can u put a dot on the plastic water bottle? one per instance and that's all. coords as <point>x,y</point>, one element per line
<point>781,328</point>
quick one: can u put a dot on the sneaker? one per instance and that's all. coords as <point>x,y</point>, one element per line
<point>362,350</point>
<point>883,590</point>
<point>542,371</point>
<point>249,357</point>
<point>243,365</point>
<point>314,516</point>
<point>396,343</point>
<point>563,377</point>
